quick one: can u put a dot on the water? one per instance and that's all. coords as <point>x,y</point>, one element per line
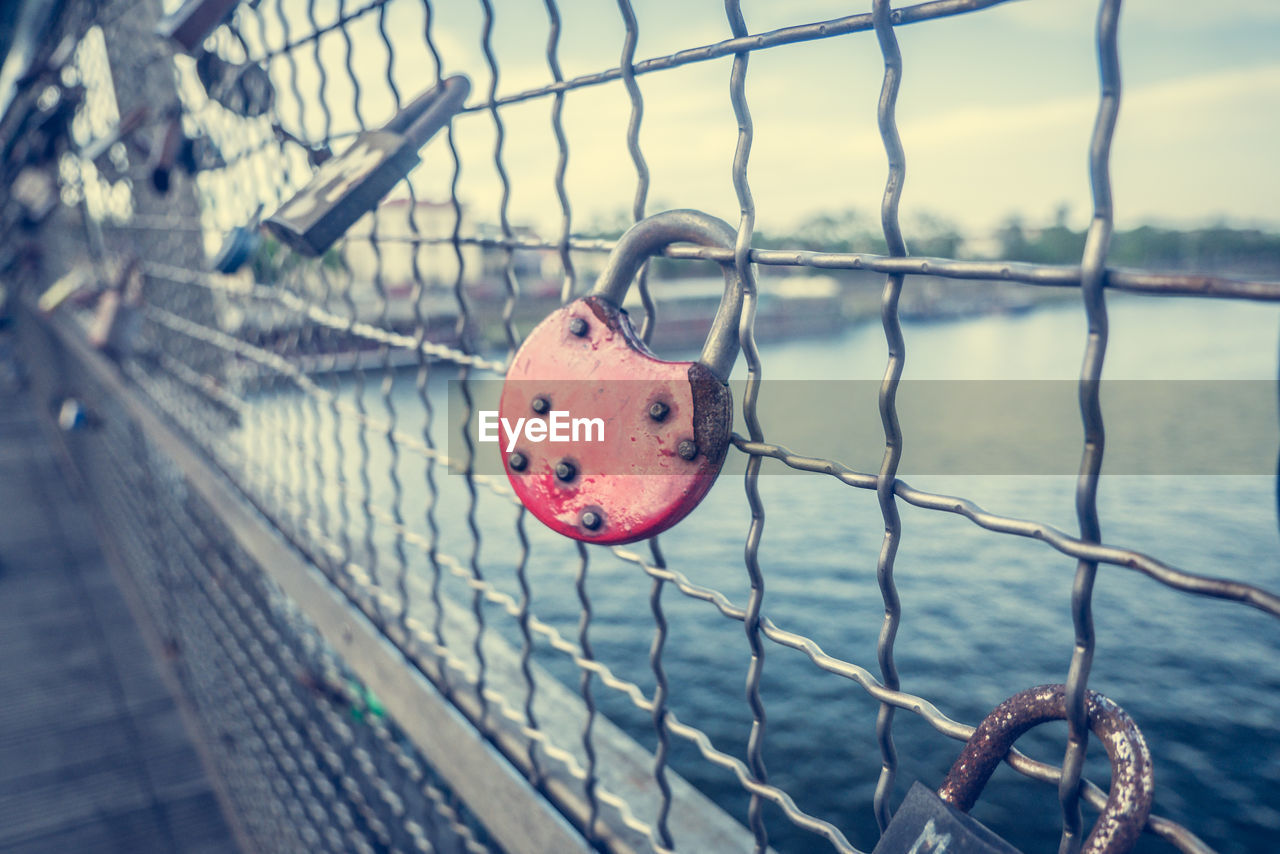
<point>984,615</point>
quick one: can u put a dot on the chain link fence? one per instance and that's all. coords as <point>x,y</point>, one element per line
<point>315,389</point>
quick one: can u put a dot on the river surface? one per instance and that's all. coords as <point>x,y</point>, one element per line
<point>984,615</point>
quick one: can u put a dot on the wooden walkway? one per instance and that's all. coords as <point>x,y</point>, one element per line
<point>93,754</point>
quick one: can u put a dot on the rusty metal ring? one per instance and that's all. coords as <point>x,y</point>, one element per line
<point>1132,780</point>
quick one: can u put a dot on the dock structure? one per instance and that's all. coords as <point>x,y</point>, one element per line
<point>94,755</point>
<point>264,589</point>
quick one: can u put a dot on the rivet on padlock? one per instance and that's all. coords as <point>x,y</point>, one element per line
<point>351,184</point>
<point>192,23</point>
<point>666,424</point>
<point>927,822</point>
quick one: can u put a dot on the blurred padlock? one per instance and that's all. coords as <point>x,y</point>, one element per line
<point>192,23</point>
<point>54,62</point>
<point>72,415</point>
<point>115,323</point>
<point>237,249</point>
<point>317,154</point>
<point>43,133</point>
<point>351,184</point>
<point>54,123</point>
<point>239,246</point>
<point>77,281</point>
<point>245,90</point>
<point>179,151</point>
<point>125,131</point>
<point>200,154</point>
<point>36,192</point>
<point>166,155</point>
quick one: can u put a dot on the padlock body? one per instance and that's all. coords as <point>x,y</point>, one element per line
<point>114,327</point>
<point>236,250</point>
<point>631,475</point>
<point>344,189</point>
<point>243,89</point>
<point>925,824</point>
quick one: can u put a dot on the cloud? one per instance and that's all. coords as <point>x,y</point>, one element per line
<point>979,143</point>
<point>1142,14</point>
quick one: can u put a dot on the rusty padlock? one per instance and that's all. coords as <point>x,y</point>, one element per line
<point>929,823</point>
<point>351,184</point>
<point>664,425</point>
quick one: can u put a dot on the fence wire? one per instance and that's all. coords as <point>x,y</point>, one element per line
<point>291,378</point>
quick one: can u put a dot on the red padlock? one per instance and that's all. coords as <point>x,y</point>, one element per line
<point>663,426</point>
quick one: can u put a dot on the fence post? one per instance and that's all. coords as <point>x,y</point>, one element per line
<point>143,75</point>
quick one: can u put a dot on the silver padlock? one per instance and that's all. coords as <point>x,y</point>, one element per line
<point>351,184</point>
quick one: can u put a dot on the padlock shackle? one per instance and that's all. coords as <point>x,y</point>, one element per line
<point>431,111</point>
<point>650,236</point>
<point>1129,799</point>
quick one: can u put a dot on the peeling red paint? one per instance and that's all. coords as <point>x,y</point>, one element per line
<point>635,478</point>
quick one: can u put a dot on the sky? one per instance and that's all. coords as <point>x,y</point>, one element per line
<point>996,110</point>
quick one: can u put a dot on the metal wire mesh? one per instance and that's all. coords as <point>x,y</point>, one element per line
<point>250,369</point>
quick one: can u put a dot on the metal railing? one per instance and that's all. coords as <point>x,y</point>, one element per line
<point>282,405</point>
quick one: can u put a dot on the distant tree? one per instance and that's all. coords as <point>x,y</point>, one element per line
<point>846,230</point>
<point>1056,244</point>
<point>1215,247</point>
<point>929,234</point>
<point>1218,246</point>
<point>934,236</point>
<point>1012,239</point>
